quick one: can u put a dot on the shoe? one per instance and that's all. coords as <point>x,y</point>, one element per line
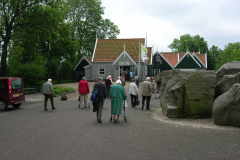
<point>142,107</point>
<point>79,106</point>
<point>149,109</point>
<point>85,107</point>
<point>45,109</point>
<point>115,121</point>
<point>99,121</point>
<point>53,108</point>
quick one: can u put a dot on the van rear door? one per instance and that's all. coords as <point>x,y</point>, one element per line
<point>17,90</point>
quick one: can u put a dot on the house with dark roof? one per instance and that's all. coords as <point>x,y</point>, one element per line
<point>79,70</point>
<point>162,61</point>
<point>115,57</point>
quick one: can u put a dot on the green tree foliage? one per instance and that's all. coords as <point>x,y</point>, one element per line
<point>31,73</point>
<point>18,15</point>
<point>230,53</point>
<point>194,43</point>
<point>87,21</point>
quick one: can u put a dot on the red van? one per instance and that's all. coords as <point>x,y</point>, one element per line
<point>11,92</point>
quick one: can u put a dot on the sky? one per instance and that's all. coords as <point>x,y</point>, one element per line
<point>161,21</point>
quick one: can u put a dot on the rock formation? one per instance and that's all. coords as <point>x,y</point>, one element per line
<point>226,83</point>
<point>187,94</point>
<point>227,69</point>
<point>226,108</point>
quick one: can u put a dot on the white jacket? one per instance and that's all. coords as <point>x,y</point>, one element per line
<point>133,89</point>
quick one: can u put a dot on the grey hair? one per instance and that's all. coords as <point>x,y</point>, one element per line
<point>118,82</point>
<point>100,78</point>
<point>148,78</point>
<point>49,80</point>
<point>83,78</point>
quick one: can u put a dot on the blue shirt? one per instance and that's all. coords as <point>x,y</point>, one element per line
<point>131,74</point>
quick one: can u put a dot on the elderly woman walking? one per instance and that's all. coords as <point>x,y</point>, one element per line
<point>117,94</point>
<point>133,91</point>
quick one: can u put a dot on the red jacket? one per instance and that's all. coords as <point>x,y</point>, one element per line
<point>83,87</point>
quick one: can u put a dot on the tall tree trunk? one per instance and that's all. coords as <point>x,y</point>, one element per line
<point>4,60</point>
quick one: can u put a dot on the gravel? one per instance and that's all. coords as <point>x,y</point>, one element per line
<point>198,123</point>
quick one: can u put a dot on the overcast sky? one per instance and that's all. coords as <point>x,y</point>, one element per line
<point>217,21</point>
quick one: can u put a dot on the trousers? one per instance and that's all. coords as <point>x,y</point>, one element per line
<point>148,101</point>
<point>50,96</point>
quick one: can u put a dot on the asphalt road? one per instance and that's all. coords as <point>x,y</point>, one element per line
<point>30,133</point>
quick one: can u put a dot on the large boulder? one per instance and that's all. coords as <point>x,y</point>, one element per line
<point>226,108</point>
<point>226,83</point>
<point>187,94</point>
<point>227,69</point>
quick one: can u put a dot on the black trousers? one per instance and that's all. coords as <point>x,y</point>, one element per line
<point>148,101</point>
<point>46,99</point>
<point>133,100</point>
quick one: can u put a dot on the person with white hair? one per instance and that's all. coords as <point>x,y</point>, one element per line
<point>117,94</point>
<point>48,93</point>
<point>133,91</point>
<point>83,89</point>
<point>146,92</point>
<point>102,95</point>
<point>108,84</point>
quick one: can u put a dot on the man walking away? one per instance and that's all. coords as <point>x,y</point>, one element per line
<point>48,93</point>
<point>146,92</point>
<point>83,89</point>
<point>102,95</point>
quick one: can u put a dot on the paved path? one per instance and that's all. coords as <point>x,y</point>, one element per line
<point>72,133</point>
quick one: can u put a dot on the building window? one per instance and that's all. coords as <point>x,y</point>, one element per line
<point>101,71</point>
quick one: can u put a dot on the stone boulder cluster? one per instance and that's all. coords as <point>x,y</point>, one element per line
<point>202,94</point>
<point>226,106</point>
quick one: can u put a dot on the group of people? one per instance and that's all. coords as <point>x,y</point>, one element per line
<point>105,90</point>
<point>116,93</point>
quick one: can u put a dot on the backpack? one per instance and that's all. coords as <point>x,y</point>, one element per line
<point>94,95</point>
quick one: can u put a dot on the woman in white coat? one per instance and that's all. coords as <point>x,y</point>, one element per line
<point>133,91</point>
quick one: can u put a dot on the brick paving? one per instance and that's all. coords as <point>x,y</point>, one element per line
<point>72,133</point>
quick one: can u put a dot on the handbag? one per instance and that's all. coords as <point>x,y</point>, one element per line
<point>137,101</point>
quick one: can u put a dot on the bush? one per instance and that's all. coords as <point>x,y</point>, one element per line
<point>59,90</point>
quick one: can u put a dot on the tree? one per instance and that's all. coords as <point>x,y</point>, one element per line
<point>230,53</point>
<point>194,43</point>
<point>16,15</point>
<point>87,21</point>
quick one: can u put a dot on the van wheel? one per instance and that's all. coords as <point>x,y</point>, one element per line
<point>3,105</point>
<point>16,105</point>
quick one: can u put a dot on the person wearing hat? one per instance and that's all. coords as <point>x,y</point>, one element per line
<point>117,94</point>
<point>48,93</point>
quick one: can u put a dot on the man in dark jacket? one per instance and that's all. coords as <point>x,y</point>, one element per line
<point>97,106</point>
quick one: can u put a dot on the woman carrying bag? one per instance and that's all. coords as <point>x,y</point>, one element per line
<point>133,91</point>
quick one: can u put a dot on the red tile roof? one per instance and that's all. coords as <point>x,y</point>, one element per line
<point>108,50</point>
<point>172,57</point>
<point>89,59</point>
